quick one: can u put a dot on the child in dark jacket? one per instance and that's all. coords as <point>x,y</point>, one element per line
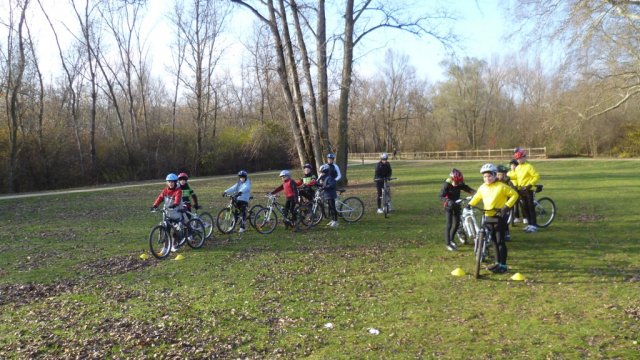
<point>327,184</point>
<point>383,170</point>
<point>449,194</point>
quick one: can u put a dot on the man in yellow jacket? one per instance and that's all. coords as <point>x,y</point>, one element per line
<point>526,179</point>
<point>497,198</point>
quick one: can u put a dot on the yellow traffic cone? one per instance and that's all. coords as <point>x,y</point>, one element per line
<point>144,256</point>
<point>179,257</point>
<point>458,272</point>
<point>517,277</point>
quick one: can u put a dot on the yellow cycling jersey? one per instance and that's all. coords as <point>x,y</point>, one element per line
<point>494,196</point>
<point>512,177</point>
<point>526,175</point>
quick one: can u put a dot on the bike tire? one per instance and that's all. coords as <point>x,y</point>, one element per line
<point>351,209</point>
<point>461,235</point>
<point>385,204</point>
<point>478,251</point>
<point>196,231</point>
<point>317,212</point>
<point>470,228</point>
<point>545,211</point>
<point>226,221</point>
<point>209,224</point>
<point>252,214</point>
<point>304,217</point>
<point>160,242</point>
<point>266,221</point>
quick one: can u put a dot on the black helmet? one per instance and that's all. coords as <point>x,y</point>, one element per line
<point>502,169</point>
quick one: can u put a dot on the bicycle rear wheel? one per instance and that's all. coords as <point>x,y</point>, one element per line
<point>266,221</point>
<point>304,217</point>
<point>351,209</point>
<point>160,242</point>
<point>478,252</point>
<point>226,221</point>
<point>207,221</point>
<point>251,215</point>
<point>196,233</point>
<point>545,211</point>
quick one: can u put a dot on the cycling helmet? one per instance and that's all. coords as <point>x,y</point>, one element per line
<point>513,162</point>
<point>331,156</point>
<point>488,168</point>
<point>384,156</point>
<point>502,169</point>
<point>519,154</point>
<point>456,175</point>
<point>242,173</point>
<point>324,168</point>
<point>172,177</point>
<point>307,166</point>
<point>183,176</point>
<point>284,173</point>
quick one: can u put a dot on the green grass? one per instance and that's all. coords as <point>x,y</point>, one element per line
<point>72,285</point>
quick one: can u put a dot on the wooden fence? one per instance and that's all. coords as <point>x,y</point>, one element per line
<point>487,154</point>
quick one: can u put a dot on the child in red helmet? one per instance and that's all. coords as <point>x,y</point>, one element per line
<point>449,193</point>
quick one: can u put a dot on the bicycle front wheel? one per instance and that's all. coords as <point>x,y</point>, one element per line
<point>385,204</point>
<point>545,211</point>
<point>317,212</point>
<point>304,217</point>
<point>196,236</point>
<point>266,221</point>
<point>226,221</point>
<point>160,242</point>
<point>478,251</point>
<point>207,221</point>
<point>351,209</point>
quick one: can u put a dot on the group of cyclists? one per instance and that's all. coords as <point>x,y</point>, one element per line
<point>501,192</point>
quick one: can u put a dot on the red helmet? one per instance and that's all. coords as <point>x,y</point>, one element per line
<point>519,154</point>
<point>456,175</point>
<point>183,176</point>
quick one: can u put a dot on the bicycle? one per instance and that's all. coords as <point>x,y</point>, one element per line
<point>386,196</point>
<point>468,227</point>
<point>207,221</point>
<point>350,209</point>
<point>171,229</point>
<point>228,216</point>
<point>483,240</point>
<point>545,209</point>
<point>266,219</point>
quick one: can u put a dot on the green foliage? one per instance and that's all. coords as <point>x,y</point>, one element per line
<point>630,144</point>
<point>72,285</point>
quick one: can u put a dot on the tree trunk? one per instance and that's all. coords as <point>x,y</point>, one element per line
<point>345,88</point>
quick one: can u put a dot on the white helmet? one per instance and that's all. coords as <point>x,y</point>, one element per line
<point>284,173</point>
<point>384,156</point>
<point>324,168</point>
<point>488,168</point>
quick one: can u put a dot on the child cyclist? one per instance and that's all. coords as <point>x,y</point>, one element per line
<point>187,192</point>
<point>307,184</point>
<point>526,178</point>
<point>497,199</point>
<point>172,198</point>
<point>449,194</point>
<point>383,171</point>
<point>327,184</point>
<point>291,194</point>
<point>242,191</point>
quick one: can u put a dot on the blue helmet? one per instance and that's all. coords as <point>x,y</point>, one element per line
<point>172,177</point>
<point>331,156</point>
<point>242,173</point>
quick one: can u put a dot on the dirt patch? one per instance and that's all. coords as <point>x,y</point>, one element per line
<point>117,265</point>
<point>25,293</point>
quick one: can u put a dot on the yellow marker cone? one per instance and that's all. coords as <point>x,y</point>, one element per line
<point>179,257</point>
<point>144,256</point>
<point>517,277</point>
<point>458,272</point>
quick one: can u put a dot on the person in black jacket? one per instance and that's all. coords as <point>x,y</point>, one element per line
<point>383,170</point>
<point>449,193</point>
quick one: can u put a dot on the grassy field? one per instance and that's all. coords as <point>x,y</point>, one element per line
<point>72,284</point>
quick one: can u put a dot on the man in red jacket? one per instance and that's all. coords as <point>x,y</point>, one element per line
<point>291,194</point>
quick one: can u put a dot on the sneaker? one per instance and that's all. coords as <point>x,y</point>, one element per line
<point>507,237</point>
<point>241,230</point>
<point>173,248</point>
<point>525,221</point>
<point>516,221</point>
<point>493,267</point>
<point>531,229</point>
<point>330,223</point>
<point>451,247</point>
<point>501,269</point>
<point>335,224</point>
<point>380,211</point>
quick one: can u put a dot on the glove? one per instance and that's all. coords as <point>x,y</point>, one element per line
<point>153,208</point>
<point>504,211</point>
<point>197,207</point>
<point>224,194</point>
<point>447,204</point>
<point>528,187</point>
<point>239,193</point>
